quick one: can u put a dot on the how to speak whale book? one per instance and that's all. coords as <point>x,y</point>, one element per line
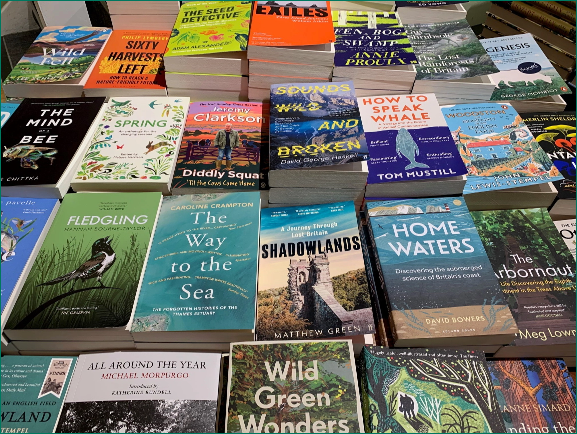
<point>33,390</point>
<point>536,273</point>
<point>439,282</point>
<point>142,392</point>
<point>312,281</point>
<point>293,386</point>
<point>497,148</point>
<point>408,139</point>
<point>315,124</point>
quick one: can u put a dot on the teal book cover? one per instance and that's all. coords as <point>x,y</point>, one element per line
<point>202,269</point>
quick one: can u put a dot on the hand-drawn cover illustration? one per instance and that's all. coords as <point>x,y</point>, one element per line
<point>8,109</point>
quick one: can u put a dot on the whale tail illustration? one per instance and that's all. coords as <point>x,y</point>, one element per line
<point>415,164</point>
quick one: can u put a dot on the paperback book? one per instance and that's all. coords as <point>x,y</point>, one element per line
<point>566,229</point>
<point>8,110</point>
<point>425,4</point>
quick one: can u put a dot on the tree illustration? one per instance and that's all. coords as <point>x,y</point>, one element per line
<point>275,315</point>
<point>459,422</point>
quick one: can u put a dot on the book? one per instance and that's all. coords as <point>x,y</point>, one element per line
<point>312,281</point>
<point>208,243</point>
<point>533,395</point>
<point>33,390</point>
<point>294,387</point>
<point>558,9</point>
<point>566,229</point>
<point>44,140</point>
<point>57,64</point>
<point>142,392</point>
<point>202,164</point>
<point>130,64</point>
<point>427,390</point>
<point>8,109</point>
<point>134,146</point>
<point>425,4</point>
<point>87,272</point>
<point>439,282</point>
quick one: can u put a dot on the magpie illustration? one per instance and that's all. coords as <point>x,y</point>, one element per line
<point>101,260</point>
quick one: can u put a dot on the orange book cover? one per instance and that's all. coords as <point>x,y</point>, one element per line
<point>287,23</point>
<point>131,59</point>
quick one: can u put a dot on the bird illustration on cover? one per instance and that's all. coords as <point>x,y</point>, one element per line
<point>408,148</point>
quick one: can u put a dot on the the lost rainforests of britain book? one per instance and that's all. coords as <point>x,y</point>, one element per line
<point>315,124</point>
<point>497,148</point>
<point>312,282</point>
<point>427,390</point>
<point>209,244</point>
<point>94,253</point>
<point>439,281</point>
<point>33,390</point>
<point>293,386</point>
<point>142,392</point>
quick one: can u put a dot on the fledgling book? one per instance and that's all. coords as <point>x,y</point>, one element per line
<point>524,70</point>
<point>142,392</point>
<point>427,390</point>
<point>408,139</point>
<point>134,146</point>
<point>312,282</point>
<point>293,386</point>
<point>33,391</point>
<point>497,148</point>
<point>202,160</point>
<point>533,395</point>
<point>439,282</point>
<point>566,229</point>
<point>315,124</point>
<point>8,109</point>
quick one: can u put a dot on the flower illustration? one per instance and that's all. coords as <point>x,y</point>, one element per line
<point>216,37</point>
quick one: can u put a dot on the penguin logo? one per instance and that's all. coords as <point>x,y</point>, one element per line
<point>407,147</point>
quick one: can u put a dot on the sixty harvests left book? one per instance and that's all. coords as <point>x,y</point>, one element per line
<point>142,392</point>
<point>293,386</point>
<point>87,272</point>
<point>33,390</point>
<point>312,282</point>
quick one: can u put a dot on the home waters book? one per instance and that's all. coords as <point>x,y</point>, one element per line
<point>294,386</point>
<point>566,229</point>
<point>8,110</point>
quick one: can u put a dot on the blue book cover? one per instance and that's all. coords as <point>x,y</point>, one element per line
<point>408,139</point>
<point>315,124</point>
<point>8,108</point>
<point>202,268</point>
<point>439,281</point>
<point>497,147</point>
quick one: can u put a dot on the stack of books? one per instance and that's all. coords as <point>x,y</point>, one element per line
<point>149,15</point>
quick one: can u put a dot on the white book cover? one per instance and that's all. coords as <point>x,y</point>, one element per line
<point>567,230</point>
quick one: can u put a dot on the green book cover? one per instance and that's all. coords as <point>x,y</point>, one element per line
<point>88,269</point>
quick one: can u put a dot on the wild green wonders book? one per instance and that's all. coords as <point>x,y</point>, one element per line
<point>87,271</point>
<point>427,391</point>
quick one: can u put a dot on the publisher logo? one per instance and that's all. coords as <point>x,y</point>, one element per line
<point>529,67</point>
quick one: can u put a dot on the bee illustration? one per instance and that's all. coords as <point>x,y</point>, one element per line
<point>29,155</point>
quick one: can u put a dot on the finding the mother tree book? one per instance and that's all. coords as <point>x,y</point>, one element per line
<point>312,281</point>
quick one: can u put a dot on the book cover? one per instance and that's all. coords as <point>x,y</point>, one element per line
<point>533,395</point>
<point>425,4</point>
<point>87,271</point>
<point>8,109</point>
<point>293,387</point>
<point>60,54</point>
<point>448,51</point>
<point>131,59</point>
<point>370,40</point>
<point>555,133</point>
<point>439,281</point>
<point>566,229</point>
<point>315,124</point>
<point>42,137</point>
<point>408,139</point>
<point>535,270</point>
<point>312,281</point>
<point>210,27</point>
<point>427,390</point>
<point>202,269</point>
<point>497,148</point>
<point>203,160</point>
<point>33,390</point>
<point>136,141</point>
<point>524,70</point>
<point>142,392</point>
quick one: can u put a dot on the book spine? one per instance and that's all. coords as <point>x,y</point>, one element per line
<point>557,9</point>
<point>543,18</point>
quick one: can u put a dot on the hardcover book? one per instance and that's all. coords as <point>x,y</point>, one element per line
<point>312,281</point>
<point>439,282</point>
<point>33,390</point>
<point>533,395</point>
<point>427,390</point>
<point>497,148</point>
<point>203,161</point>
<point>8,110</point>
<point>315,124</point>
<point>142,392</point>
<point>566,229</point>
<point>134,146</point>
<point>536,273</point>
<point>294,387</point>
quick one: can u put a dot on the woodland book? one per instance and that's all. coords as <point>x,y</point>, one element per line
<point>8,110</point>
<point>566,229</point>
